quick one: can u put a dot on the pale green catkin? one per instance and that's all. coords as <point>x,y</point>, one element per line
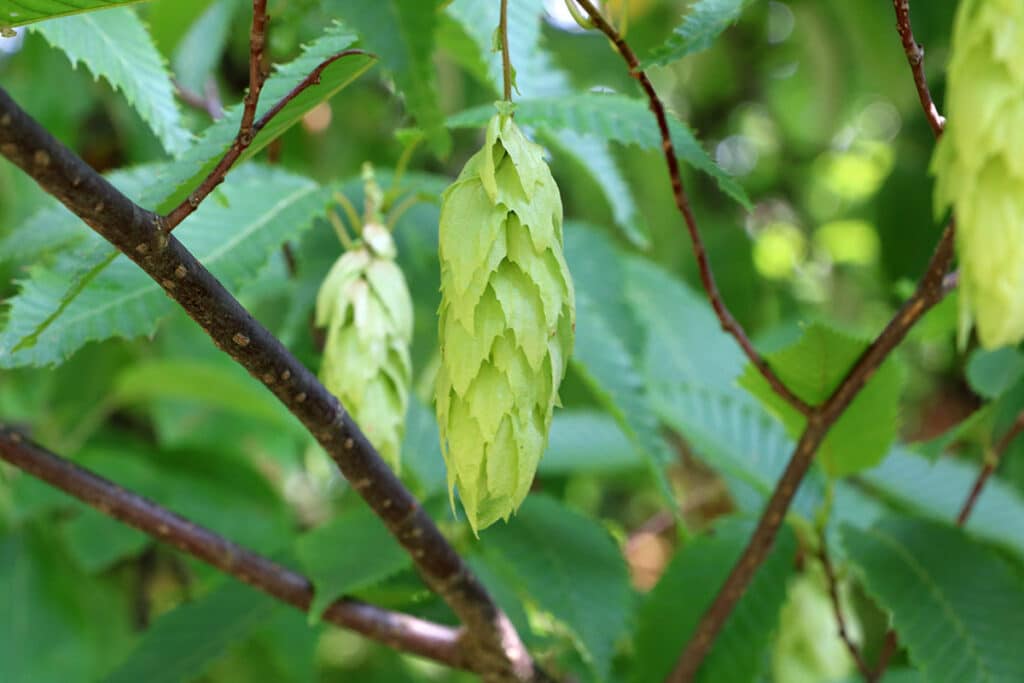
<point>507,321</point>
<point>364,303</point>
<point>979,166</point>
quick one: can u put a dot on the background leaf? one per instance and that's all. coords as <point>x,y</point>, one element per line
<point>952,601</point>
<point>402,33</point>
<point>116,46</point>
<point>702,24</point>
<point>669,614</point>
<point>29,11</point>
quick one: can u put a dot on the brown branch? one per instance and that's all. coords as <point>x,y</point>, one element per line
<point>915,57</point>
<point>837,608</point>
<point>257,39</point>
<point>497,653</point>
<point>400,631</point>
<point>992,461</point>
<point>707,278</point>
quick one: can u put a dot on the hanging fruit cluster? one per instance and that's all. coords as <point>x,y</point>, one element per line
<point>980,166</point>
<point>507,320</point>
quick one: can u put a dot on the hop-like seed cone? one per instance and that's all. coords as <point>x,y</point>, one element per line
<point>507,320</point>
<point>980,166</point>
<point>364,303</point>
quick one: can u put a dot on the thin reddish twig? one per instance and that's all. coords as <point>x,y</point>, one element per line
<point>915,57</point>
<point>707,278</point>
<point>837,608</point>
<point>400,631</point>
<point>992,461</point>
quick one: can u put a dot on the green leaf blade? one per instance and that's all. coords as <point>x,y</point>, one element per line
<point>116,46</point>
<point>705,21</point>
<point>30,11</point>
<point>954,603</point>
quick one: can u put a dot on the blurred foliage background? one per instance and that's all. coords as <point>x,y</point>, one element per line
<point>806,104</point>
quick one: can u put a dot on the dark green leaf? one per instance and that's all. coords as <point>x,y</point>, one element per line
<point>703,23</point>
<point>955,604</point>
<point>670,612</point>
<point>28,11</point>
<point>991,373</point>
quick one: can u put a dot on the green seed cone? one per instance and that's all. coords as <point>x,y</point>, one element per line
<point>507,321</point>
<point>979,166</point>
<point>364,303</point>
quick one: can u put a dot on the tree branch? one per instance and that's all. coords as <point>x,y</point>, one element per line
<point>707,278</point>
<point>498,652</point>
<point>915,57</point>
<point>400,631</point>
<point>837,608</point>
<point>992,461</point>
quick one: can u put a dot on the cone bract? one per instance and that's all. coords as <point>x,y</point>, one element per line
<point>979,166</point>
<point>364,303</point>
<point>507,320</point>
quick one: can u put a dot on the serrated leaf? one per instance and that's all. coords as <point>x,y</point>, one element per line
<point>956,605</point>
<point>736,437</point>
<point>28,11</point>
<point>402,33</point>
<point>568,566</point>
<point>181,177</point>
<point>937,490</point>
<point>183,643</point>
<point>605,333</point>
<point>671,611</point>
<point>202,46</point>
<point>991,373</point>
<point>812,368</point>
<point>610,117</point>
<point>703,23</point>
<point>116,46</point>
<point>351,552</point>
<point>538,76</point>
<point>264,208</point>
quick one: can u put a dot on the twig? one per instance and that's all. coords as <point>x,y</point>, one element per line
<point>257,38</point>
<point>506,58</point>
<point>992,461</point>
<point>707,278</point>
<point>400,631</point>
<point>497,651</point>
<point>208,102</point>
<point>915,57</point>
<point>837,607</point>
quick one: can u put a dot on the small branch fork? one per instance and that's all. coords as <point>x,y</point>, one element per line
<point>932,287</point>
<point>400,631</point>
<point>250,126</point>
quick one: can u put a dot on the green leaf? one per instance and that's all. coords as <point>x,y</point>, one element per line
<point>704,22</point>
<point>671,611</point>
<point>569,566</point>
<point>97,542</point>
<point>181,177</point>
<point>115,45</point>
<point>58,624</point>
<point>956,605</point>
<point>938,489</point>
<point>735,436</point>
<point>183,643</point>
<point>201,48</point>
<point>538,76</point>
<point>610,117</point>
<point>264,207</point>
<point>602,355</point>
<point>28,11</point>
<point>213,385</point>
<point>349,553</point>
<point>586,441</point>
<point>812,368</point>
<point>402,33</point>
<point>991,373</point>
